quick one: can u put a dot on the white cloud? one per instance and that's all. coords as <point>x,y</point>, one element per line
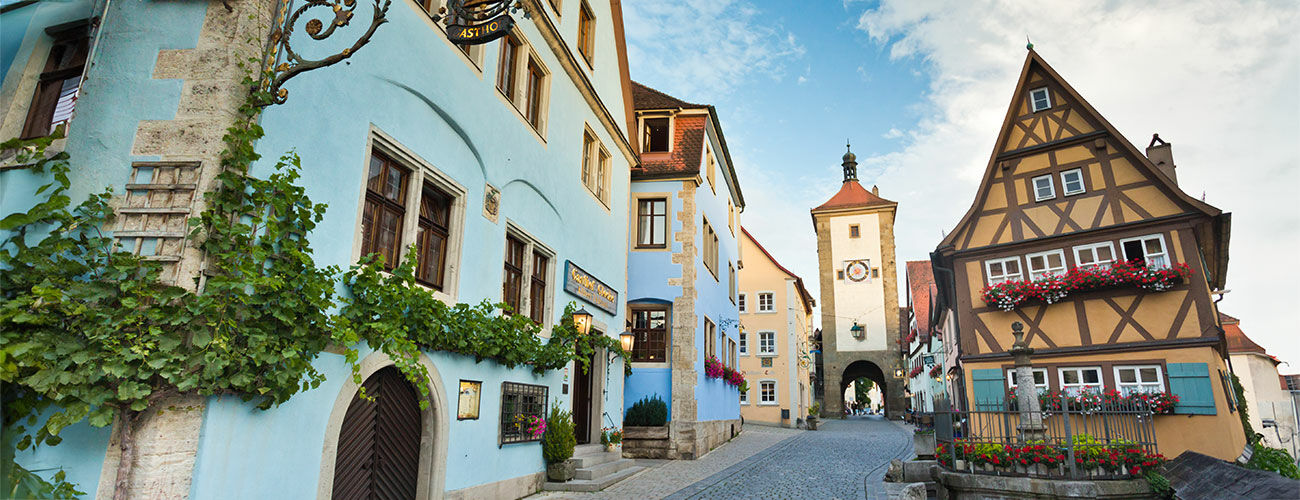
<point>1217,79</point>
<point>893,133</point>
<point>700,49</point>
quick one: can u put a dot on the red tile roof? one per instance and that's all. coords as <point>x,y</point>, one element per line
<point>1239,342</point>
<point>920,284</point>
<point>646,98</point>
<point>852,195</point>
<point>688,148</point>
<point>1225,319</point>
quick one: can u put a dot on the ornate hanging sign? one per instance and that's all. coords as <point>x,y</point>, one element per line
<point>475,22</point>
<point>283,61</point>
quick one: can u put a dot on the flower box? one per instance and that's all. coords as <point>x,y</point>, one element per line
<point>1051,289</point>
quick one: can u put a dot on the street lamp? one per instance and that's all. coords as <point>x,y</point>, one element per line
<point>857,331</point>
<point>627,339</point>
<point>582,321</point>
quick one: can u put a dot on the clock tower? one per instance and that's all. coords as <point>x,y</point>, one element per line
<point>861,319</point>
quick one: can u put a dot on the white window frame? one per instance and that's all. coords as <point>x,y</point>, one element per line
<point>771,306</point>
<point>531,245</point>
<point>776,396</point>
<point>1065,183</point>
<point>988,270</point>
<point>421,172</point>
<point>743,347</point>
<point>740,302</point>
<point>1035,274</point>
<point>1092,248</point>
<point>1078,387</point>
<point>1137,374</point>
<point>1033,184</point>
<point>598,163</point>
<point>1145,256</point>
<point>1033,99</point>
<point>1011,379</point>
<point>517,96</point>
<point>672,130</point>
<point>763,349</point>
<point>744,398</point>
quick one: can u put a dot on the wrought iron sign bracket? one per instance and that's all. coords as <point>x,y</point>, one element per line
<point>280,70</point>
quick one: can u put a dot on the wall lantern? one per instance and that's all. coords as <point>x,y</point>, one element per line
<point>627,339</point>
<point>582,321</point>
<point>857,331</point>
<point>898,373</point>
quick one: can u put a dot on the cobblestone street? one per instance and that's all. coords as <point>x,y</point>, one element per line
<point>838,461</point>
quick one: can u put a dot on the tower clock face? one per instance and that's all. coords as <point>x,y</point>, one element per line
<point>856,271</point>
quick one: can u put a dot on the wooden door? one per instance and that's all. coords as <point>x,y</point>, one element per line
<point>378,454</point>
<point>582,389</point>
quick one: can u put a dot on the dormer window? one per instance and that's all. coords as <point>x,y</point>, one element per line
<point>656,135</point>
<point>1040,99</point>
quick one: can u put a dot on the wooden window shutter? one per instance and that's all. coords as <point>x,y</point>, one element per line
<point>1191,383</point>
<point>989,387</point>
<point>379,443</point>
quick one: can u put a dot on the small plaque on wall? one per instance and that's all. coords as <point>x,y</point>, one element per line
<point>471,392</point>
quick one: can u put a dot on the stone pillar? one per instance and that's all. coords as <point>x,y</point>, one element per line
<point>1031,415</point>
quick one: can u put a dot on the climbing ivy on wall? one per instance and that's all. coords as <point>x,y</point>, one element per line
<point>89,333</point>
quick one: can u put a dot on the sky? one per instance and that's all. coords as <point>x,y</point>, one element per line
<point>920,88</point>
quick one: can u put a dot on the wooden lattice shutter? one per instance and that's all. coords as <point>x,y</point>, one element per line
<point>379,443</point>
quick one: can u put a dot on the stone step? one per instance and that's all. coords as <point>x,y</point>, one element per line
<point>605,469</point>
<point>590,485</point>
<point>590,459</point>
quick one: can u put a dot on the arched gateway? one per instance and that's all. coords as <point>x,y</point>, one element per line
<point>861,319</point>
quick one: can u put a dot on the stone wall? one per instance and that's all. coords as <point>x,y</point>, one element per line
<point>963,486</point>
<point>692,440</point>
<point>167,435</point>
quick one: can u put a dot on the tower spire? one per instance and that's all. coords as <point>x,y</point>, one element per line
<point>850,163</point>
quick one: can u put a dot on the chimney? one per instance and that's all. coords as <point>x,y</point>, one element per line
<point>1161,153</point>
<point>875,190</point>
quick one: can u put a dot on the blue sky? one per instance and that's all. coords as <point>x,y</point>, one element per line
<point>921,88</point>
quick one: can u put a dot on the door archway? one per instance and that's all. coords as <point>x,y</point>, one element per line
<point>379,442</point>
<point>870,371</point>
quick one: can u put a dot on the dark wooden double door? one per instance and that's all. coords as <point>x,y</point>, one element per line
<point>378,454</point>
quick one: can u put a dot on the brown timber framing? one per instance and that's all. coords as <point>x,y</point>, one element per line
<point>1054,81</point>
<point>1103,348</point>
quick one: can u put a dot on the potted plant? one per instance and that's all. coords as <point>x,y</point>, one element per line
<point>813,411</point>
<point>611,437</point>
<point>557,445</point>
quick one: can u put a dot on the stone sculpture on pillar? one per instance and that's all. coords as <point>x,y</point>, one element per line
<point>1031,415</point>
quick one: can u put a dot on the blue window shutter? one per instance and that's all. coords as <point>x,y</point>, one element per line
<point>1191,383</point>
<point>990,389</point>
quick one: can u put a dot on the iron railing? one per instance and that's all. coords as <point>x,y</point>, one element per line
<point>1114,440</point>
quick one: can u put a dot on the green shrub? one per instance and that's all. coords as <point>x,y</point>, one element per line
<point>650,411</point>
<point>1273,459</point>
<point>1160,486</point>
<point>558,442</point>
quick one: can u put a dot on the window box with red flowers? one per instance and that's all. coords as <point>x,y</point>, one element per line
<point>1159,403</point>
<point>1051,289</point>
<point>934,372</point>
<point>916,371</point>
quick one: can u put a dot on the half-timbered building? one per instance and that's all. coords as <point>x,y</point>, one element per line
<point>1107,263</point>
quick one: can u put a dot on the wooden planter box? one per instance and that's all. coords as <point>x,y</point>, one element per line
<point>645,442</point>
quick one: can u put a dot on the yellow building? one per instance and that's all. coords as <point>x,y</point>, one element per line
<point>1065,196</point>
<point>776,322</point>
